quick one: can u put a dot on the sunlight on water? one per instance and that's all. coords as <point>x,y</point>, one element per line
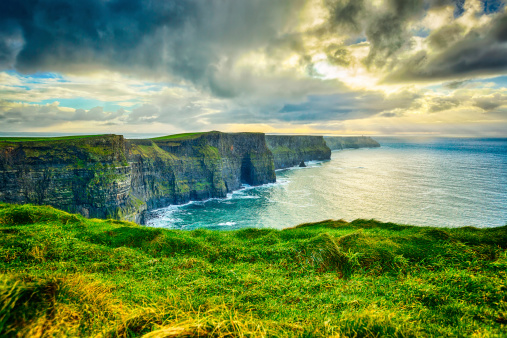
<point>442,182</point>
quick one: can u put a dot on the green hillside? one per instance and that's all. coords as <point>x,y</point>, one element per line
<point>64,275</point>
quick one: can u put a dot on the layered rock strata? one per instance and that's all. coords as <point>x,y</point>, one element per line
<point>88,175</point>
<point>177,170</point>
<point>291,150</point>
<point>109,177</point>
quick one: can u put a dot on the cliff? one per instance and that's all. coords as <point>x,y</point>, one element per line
<point>290,150</point>
<point>175,170</point>
<point>106,176</point>
<point>88,175</point>
<point>337,143</point>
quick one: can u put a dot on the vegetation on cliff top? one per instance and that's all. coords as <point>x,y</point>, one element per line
<point>152,151</point>
<point>43,139</point>
<point>185,136</point>
<point>62,274</point>
<point>82,151</point>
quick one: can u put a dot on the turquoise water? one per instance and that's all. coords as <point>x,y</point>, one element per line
<point>435,182</point>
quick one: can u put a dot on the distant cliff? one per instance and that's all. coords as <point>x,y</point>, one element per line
<point>290,150</point>
<point>336,142</point>
<point>107,176</point>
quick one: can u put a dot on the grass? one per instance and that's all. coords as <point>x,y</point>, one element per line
<point>64,275</point>
<point>73,151</point>
<point>42,139</point>
<point>152,151</point>
<point>185,136</point>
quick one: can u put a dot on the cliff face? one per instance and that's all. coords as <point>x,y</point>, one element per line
<point>337,142</point>
<point>289,151</point>
<point>173,171</point>
<point>88,175</point>
<point>106,176</point>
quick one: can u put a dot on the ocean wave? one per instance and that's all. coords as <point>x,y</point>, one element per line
<point>164,220</point>
<point>247,197</point>
<point>231,223</point>
<point>163,217</point>
<point>309,165</point>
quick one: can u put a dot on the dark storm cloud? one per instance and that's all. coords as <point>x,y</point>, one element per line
<point>388,32</point>
<point>453,54</point>
<point>200,41</point>
<point>385,29</point>
<point>481,52</point>
<point>346,15</point>
<point>81,32</point>
<point>189,39</point>
<point>11,42</point>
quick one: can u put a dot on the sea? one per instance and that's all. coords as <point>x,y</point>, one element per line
<point>440,182</point>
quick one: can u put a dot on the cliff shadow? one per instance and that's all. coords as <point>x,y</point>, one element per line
<point>247,170</point>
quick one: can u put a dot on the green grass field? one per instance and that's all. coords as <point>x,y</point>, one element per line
<point>42,139</point>
<point>63,275</point>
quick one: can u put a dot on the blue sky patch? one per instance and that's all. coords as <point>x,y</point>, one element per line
<point>493,6</point>
<point>39,77</point>
<point>459,10</point>
<point>83,103</point>
<point>423,32</point>
<point>500,82</point>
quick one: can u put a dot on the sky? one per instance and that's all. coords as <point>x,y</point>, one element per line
<point>330,67</point>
